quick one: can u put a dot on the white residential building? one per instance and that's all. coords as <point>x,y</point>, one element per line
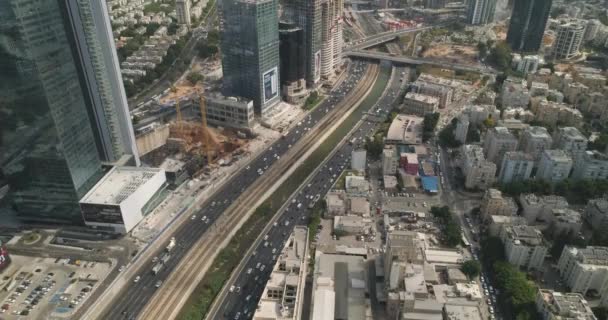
<point>584,269</point>
<point>524,246</point>
<point>182,10</point>
<point>596,214</point>
<point>497,142</point>
<point>389,160</point>
<point>516,166</point>
<point>554,166</point>
<point>283,296</point>
<point>568,40</point>
<point>554,305</point>
<point>591,165</point>
<point>479,173</point>
<point>539,208</point>
<point>565,220</point>
<point>358,160</point>
<point>570,140</point>
<point>462,128</point>
<point>526,64</point>
<point>514,93</point>
<point>534,141</point>
<point>478,113</point>
<point>494,204</point>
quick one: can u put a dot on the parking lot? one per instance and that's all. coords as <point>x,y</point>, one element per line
<point>45,288</point>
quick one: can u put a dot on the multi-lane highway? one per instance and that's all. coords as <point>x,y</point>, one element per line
<point>241,303</point>
<point>132,299</point>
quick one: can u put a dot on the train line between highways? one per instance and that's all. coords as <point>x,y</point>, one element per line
<point>167,302</point>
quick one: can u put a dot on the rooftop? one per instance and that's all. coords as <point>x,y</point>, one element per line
<point>405,129</point>
<point>591,255</point>
<point>172,165</point>
<point>518,156</point>
<point>596,155</point>
<point>557,155</point>
<point>567,305</point>
<point>572,133</point>
<point>567,215</point>
<point>537,132</point>
<point>119,184</point>
<point>422,98</point>
<point>458,312</point>
<point>527,235</point>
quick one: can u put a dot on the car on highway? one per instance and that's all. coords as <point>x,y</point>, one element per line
<point>136,280</point>
<point>158,283</point>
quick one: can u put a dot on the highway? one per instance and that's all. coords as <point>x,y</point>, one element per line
<point>417,61</point>
<point>129,303</point>
<point>242,304</point>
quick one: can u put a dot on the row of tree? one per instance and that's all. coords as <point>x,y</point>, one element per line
<point>576,191</point>
<point>517,293</point>
<point>428,125</point>
<point>451,231</point>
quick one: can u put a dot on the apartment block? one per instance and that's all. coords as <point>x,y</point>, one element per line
<point>389,160</point>
<point>524,246</point>
<point>591,165</point>
<point>538,208</point>
<point>596,214</point>
<point>568,40</point>
<point>534,141</point>
<point>571,140</point>
<point>554,166</point>
<point>478,113</point>
<point>553,113</point>
<point>479,173</point>
<point>565,220</point>
<point>495,204</point>
<point>420,104</point>
<point>514,93</point>
<point>441,92</point>
<point>516,166</point>
<point>554,305</point>
<point>584,269</point>
<point>498,141</point>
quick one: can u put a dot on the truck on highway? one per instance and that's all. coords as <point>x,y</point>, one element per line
<point>171,245</point>
<point>157,268</point>
<point>165,257</point>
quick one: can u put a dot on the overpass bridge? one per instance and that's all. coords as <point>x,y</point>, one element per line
<point>417,61</point>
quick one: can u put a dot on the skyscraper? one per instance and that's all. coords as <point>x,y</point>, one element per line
<point>182,11</point>
<point>480,12</point>
<point>331,36</point>
<point>527,26</point>
<point>62,104</point>
<point>292,54</point>
<point>250,51</point>
<point>306,14</point>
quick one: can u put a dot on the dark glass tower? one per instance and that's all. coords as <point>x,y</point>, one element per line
<point>250,51</point>
<point>292,53</point>
<point>62,105</point>
<point>527,26</point>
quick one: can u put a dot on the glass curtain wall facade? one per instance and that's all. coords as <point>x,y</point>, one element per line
<point>59,113</point>
<point>527,26</point>
<point>250,51</point>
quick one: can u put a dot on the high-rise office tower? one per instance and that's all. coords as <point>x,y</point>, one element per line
<point>568,40</point>
<point>527,26</point>
<point>480,12</point>
<point>250,51</point>
<point>62,104</point>
<point>306,14</point>
<point>182,11</point>
<point>331,36</point>
<point>292,54</point>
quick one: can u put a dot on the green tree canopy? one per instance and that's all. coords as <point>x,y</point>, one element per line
<point>471,268</point>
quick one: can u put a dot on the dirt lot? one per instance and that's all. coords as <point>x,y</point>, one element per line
<point>464,54</point>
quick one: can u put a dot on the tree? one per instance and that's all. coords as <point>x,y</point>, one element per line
<point>601,313</point>
<point>447,138</point>
<point>428,125</point>
<point>471,268</point>
<point>482,47</point>
<point>492,250</point>
<point>194,77</point>
<point>374,147</point>
<point>500,56</point>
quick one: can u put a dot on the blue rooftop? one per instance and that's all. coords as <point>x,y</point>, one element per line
<point>430,184</point>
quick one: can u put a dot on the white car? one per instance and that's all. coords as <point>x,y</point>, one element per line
<point>136,280</point>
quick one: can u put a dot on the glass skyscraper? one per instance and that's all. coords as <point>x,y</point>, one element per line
<point>250,51</point>
<point>62,104</point>
<point>527,26</point>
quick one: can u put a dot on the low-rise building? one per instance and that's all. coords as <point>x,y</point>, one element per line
<point>584,269</point>
<point>592,165</point>
<point>118,202</point>
<point>516,166</point>
<point>359,206</point>
<point>356,185</point>
<point>352,224</point>
<point>524,246</point>
<point>554,305</point>
<point>336,204</point>
<point>283,295</point>
<point>526,64</point>
<point>358,160</point>
<point>552,113</point>
<point>420,104</point>
<point>401,246</point>
<point>554,166</point>
<point>409,162</point>
<point>443,93</point>
<point>231,112</point>
<point>405,129</point>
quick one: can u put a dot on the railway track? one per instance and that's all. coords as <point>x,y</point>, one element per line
<point>167,301</point>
